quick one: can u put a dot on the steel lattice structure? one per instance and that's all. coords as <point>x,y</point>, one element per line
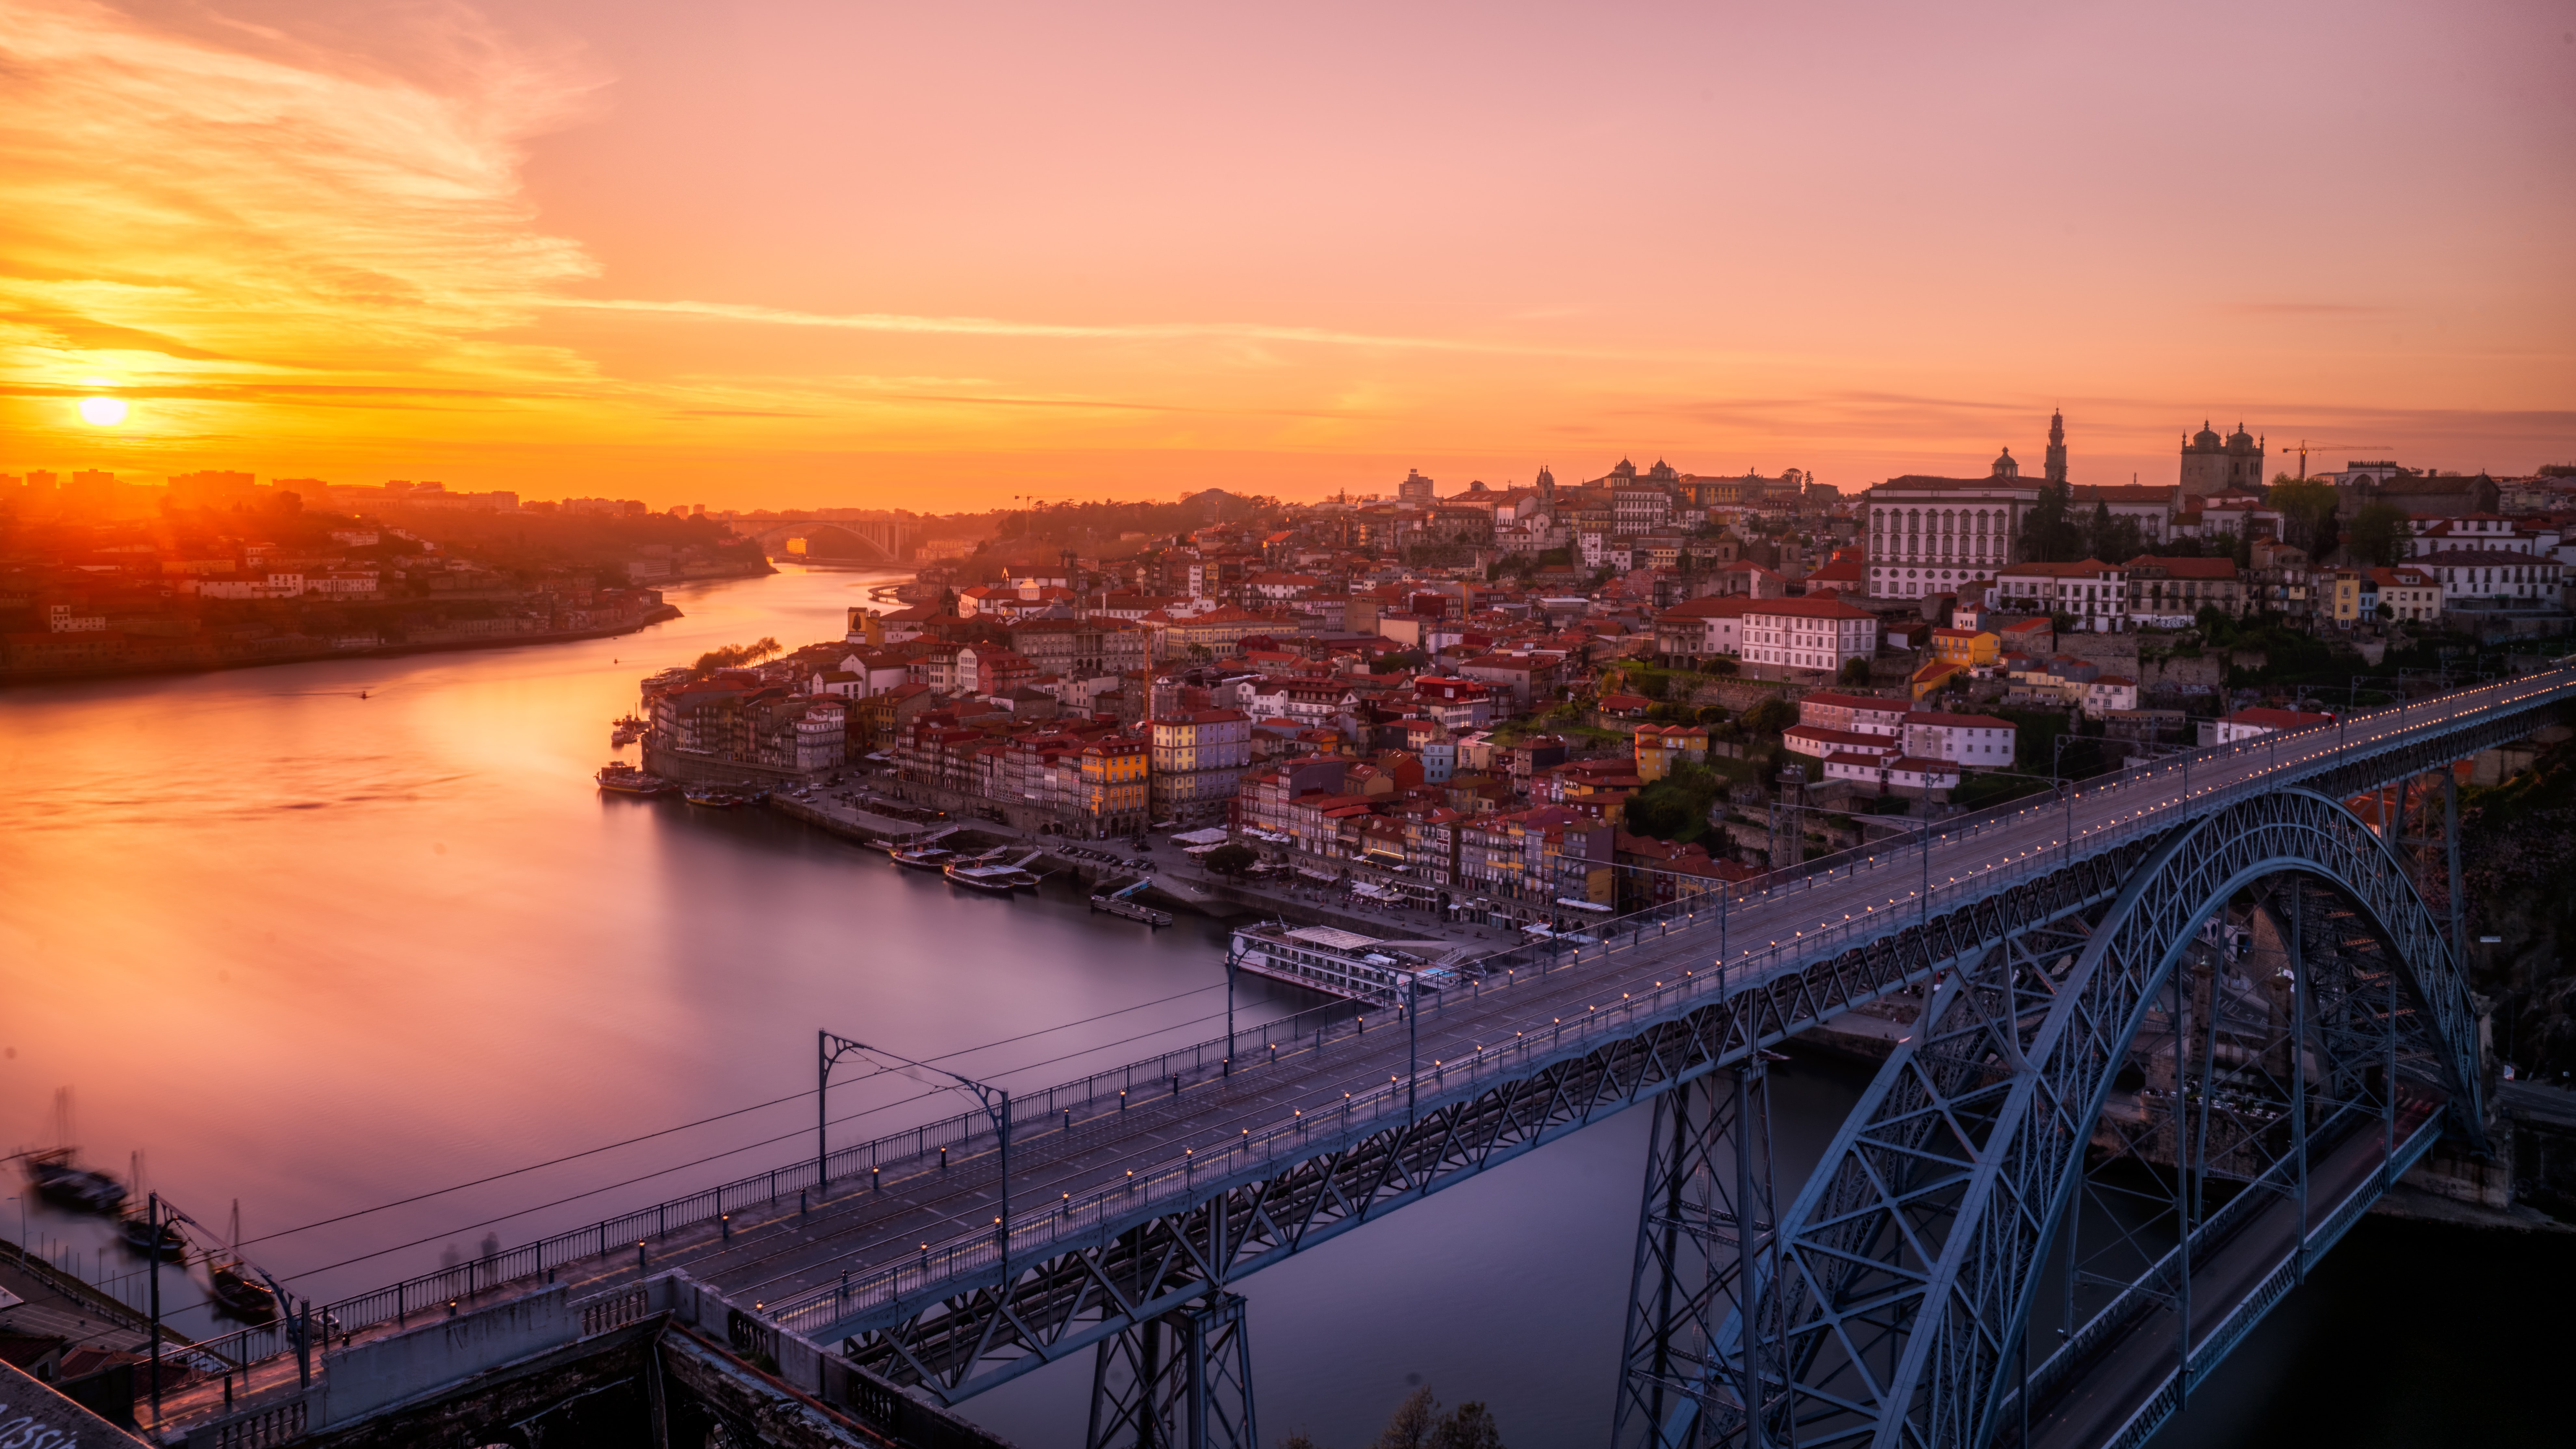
<point>1907,1267</point>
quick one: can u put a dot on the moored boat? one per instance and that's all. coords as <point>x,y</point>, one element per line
<point>619,777</point>
<point>58,1181</point>
<point>237,1294</point>
<point>998,880</point>
<point>923,857</point>
<point>625,732</point>
<point>136,1234</point>
<point>716,796</point>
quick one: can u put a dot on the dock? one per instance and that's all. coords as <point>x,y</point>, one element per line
<point>1120,902</point>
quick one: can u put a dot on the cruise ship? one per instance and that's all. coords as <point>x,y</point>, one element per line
<point>1343,963</point>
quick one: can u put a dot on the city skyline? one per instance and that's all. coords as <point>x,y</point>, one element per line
<point>774,259</point>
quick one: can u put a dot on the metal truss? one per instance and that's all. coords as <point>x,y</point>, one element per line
<point>1180,1380</point>
<point>1910,1261</point>
<point>1706,1244</point>
<point>980,1333</point>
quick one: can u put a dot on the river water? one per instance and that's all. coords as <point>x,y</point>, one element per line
<point>324,937</point>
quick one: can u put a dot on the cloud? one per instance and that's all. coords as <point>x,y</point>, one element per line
<point>1004,327</point>
<point>269,205</point>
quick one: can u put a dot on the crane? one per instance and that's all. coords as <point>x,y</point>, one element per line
<point>2304,448</point>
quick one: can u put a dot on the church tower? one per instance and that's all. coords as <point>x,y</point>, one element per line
<point>2056,447</point>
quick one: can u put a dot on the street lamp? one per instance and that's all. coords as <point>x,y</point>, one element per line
<point>997,1105</point>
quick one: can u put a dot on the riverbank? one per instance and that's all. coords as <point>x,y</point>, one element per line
<point>660,614</point>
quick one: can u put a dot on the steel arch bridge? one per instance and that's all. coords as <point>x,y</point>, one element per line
<point>1890,1301</point>
<point>2179,1028</point>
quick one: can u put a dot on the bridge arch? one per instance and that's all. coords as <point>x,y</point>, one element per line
<point>1906,1272</point>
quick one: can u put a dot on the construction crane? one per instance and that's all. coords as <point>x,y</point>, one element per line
<point>2304,448</point>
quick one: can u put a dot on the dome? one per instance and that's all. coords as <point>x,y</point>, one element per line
<point>2240,438</point>
<point>2207,437</point>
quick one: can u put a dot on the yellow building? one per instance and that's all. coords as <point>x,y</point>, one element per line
<point>1115,783</point>
<point>2343,595</point>
<point>1972,647</point>
<point>1936,675</point>
<point>1660,746</point>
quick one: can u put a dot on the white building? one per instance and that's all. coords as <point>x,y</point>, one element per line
<point>2247,724</point>
<point>2096,593</point>
<point>1931,535</point>
<point>1817,635</point>
<point>1977,741</point>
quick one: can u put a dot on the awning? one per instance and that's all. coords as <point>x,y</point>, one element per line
<point>1215,835</point>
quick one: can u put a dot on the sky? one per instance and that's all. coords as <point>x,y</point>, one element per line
<point>804,253</point>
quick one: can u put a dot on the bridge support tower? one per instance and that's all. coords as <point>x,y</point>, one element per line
<point>1180,1380</point>
<point>1704,1236</point>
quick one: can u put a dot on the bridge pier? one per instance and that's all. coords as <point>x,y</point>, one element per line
<point>1181,1380</point>
<point>1688,1373</point>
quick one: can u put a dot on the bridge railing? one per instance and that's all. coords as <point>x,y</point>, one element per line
<point>1754,902</point>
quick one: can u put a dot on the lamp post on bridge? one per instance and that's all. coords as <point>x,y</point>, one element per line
<point>996,1102</point>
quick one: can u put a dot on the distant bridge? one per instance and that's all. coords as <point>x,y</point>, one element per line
<point>2180,1028</point>
<point>830,540</point>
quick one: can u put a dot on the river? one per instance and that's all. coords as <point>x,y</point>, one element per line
<point>322,937</point>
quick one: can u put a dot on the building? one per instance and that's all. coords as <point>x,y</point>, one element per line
<point>2247,724</point>
<point>1866,714</point>
<point>1660,747</point>
<point>1115,785</point>
<point>1894,774</point>
<point>2093,592</point>
<point>1702,629</point>
<point>1977,741</point>
<point>1973,647</point>
<point>2490,578</point>
<point>2169,593</point>
<point>2211,464</point>
<point>1415,488</point>
<point>2109,694</point>
<point>1198,762</point>
<point>1927,535</point>
<point>1808,636</point>
<point>2403,592</point>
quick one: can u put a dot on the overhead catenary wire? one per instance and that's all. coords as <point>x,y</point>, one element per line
<point>750,1146</point>
<point>736,1112</point>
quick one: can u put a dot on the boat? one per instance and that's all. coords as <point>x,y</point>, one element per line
<point>237,1294</point>
<point>625,732</point>
<point>924,857</point>
<point>621,778</point>
<point>136,1234</point>
<point>59,1182</point>
<point>999,880</point>
<point>716,796</point>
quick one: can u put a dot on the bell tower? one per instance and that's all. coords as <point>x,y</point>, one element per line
<point>2056,447</point>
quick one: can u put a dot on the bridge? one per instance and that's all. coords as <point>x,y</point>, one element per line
<point>833,540</point>
<point>2174,1030</point>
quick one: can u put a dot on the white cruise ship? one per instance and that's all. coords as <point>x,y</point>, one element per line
<point>1342,963</point>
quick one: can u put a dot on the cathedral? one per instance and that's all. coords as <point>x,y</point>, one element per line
<point>2211,464</point>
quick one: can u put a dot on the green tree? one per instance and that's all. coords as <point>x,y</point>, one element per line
<point>2307,513</point>
<point>2379,535</point>
<point>1770,716</point>
<point>2051,534</point>
<point>733,656</point>
<point>1675,807</point>
<point>1419,1424</point>
<point>1230,859</point>
<point>1854,671</point>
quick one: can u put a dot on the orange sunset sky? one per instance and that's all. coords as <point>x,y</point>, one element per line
<point>937,256</point>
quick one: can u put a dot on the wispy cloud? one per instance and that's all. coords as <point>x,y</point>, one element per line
<point>275,207</point>
<point>1006,327</point>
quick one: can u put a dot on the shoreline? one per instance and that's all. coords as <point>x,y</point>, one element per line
<point>661,615</point>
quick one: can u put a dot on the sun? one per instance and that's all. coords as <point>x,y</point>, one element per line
<point>106,412</point>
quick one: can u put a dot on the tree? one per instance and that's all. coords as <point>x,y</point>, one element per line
<point>1854,671</point>
<point>1770,716</point>
<point>2379,535</point>
<point>2050,534</point>
<point>2307,513</point>
<point>1675,807</point>
<point>1229,859</point>
<point>733,656</point>
<point>1419,1424</point>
